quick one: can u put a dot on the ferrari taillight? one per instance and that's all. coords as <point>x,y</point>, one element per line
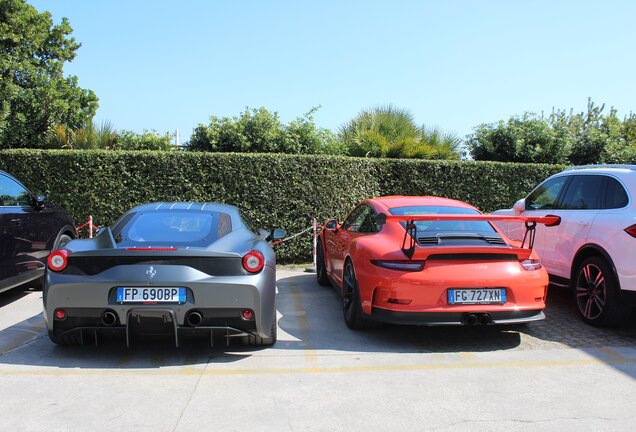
<point>400,265</point>
<point>253,261</point>
<point>152,249</point>
<point>58,260</point>
<point>631,230</point>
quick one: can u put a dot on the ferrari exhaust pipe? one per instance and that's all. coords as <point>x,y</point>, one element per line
<point>485,319</point>
<point>470,319</point>
<point>109,318</point>
<point>194,319</point>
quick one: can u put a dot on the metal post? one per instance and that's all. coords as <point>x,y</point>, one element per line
<point>314,224</point>
<point>90,226</point>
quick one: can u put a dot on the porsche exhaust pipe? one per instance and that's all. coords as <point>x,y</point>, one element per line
<point>194,319</point>
<point>485,319</point>
<point>470,319</point>
<point>109,318</point>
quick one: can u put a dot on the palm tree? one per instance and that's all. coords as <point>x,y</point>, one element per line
<point>92,136</point>
<point>387,131</point>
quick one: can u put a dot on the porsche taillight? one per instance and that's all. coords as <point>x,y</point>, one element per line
<point>631,230</point>
<point>531,264</point>
<point>253,261</point>
<point>58,260</point>
<point>400,265</point>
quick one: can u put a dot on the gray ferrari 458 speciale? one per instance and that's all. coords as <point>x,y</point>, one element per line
<point>166,268</point>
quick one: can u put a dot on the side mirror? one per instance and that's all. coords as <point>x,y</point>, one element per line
<point>519,207</point>
<point>101,231</point>
<point>278,234</point>
<point>39,202</point>
<point>332,224</point>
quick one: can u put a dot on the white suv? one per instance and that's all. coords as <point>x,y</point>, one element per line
<point>593,250</point>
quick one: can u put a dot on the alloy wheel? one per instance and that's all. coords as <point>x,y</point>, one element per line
<point>591,291</point>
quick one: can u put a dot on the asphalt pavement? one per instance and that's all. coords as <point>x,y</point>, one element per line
<point>558,374</point>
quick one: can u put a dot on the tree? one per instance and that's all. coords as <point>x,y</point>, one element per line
<point>34,94</point>
<point>261,131</point>
<point>585,138</point>
<point>148,140</point>
<point>387,131</point>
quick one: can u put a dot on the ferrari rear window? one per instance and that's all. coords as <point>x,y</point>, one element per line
<point>175,228</point>
<point>443,226</point>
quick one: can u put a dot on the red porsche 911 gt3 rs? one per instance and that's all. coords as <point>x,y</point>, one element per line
<point>431,261</point>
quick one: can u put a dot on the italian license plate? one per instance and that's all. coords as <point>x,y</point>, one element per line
<point>477,296</point>
<point>154,295</point>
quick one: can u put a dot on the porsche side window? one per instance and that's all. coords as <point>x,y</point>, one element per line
<point>368,224</point>
<point>584,193</point>
<point>361,220</point>
<point>615,195</point>
<point>546,195</point>
<point>13,194</point>
<point>353,221</point>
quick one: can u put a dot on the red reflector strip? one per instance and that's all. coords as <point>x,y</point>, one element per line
<point>163,249</point>
<point>399,301</point>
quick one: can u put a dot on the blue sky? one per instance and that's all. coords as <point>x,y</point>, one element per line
<point>170,65</point>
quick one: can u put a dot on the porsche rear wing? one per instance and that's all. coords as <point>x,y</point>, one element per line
<point>411,229</point>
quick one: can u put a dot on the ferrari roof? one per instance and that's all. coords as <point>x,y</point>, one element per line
<point>200,206</point>
<point>404,201</point>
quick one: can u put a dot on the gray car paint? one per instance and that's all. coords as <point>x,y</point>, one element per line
<point>254,291</point>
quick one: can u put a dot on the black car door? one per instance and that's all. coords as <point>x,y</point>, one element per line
<point>23,232</point>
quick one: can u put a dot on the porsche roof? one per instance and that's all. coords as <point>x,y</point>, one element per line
<point>403,201</point>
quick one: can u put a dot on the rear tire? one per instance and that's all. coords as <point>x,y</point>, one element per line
<point>351,307</point>
<point>321,271</point>
<point>597,295</point>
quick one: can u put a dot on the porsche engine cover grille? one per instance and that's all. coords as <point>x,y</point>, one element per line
<point>214,266</point>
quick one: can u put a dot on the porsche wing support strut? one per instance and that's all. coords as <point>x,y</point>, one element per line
<point>410,234</point>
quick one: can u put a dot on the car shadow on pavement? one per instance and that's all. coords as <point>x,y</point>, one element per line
<point>27,344</point>
<point>11,296</point>
<point>312,314</point>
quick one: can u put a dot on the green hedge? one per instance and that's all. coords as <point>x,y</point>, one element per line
<point>276,190</point>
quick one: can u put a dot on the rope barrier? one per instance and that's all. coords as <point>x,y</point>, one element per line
<point>90,226</point>
<point>293,236</point>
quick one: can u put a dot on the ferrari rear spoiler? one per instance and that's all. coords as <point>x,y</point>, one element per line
<point>411,229</point>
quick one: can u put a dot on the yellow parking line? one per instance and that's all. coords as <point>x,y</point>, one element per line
<point>468,355</point>
<point>318,370</point>
<point>310,354</point>
<point>609,352</point>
